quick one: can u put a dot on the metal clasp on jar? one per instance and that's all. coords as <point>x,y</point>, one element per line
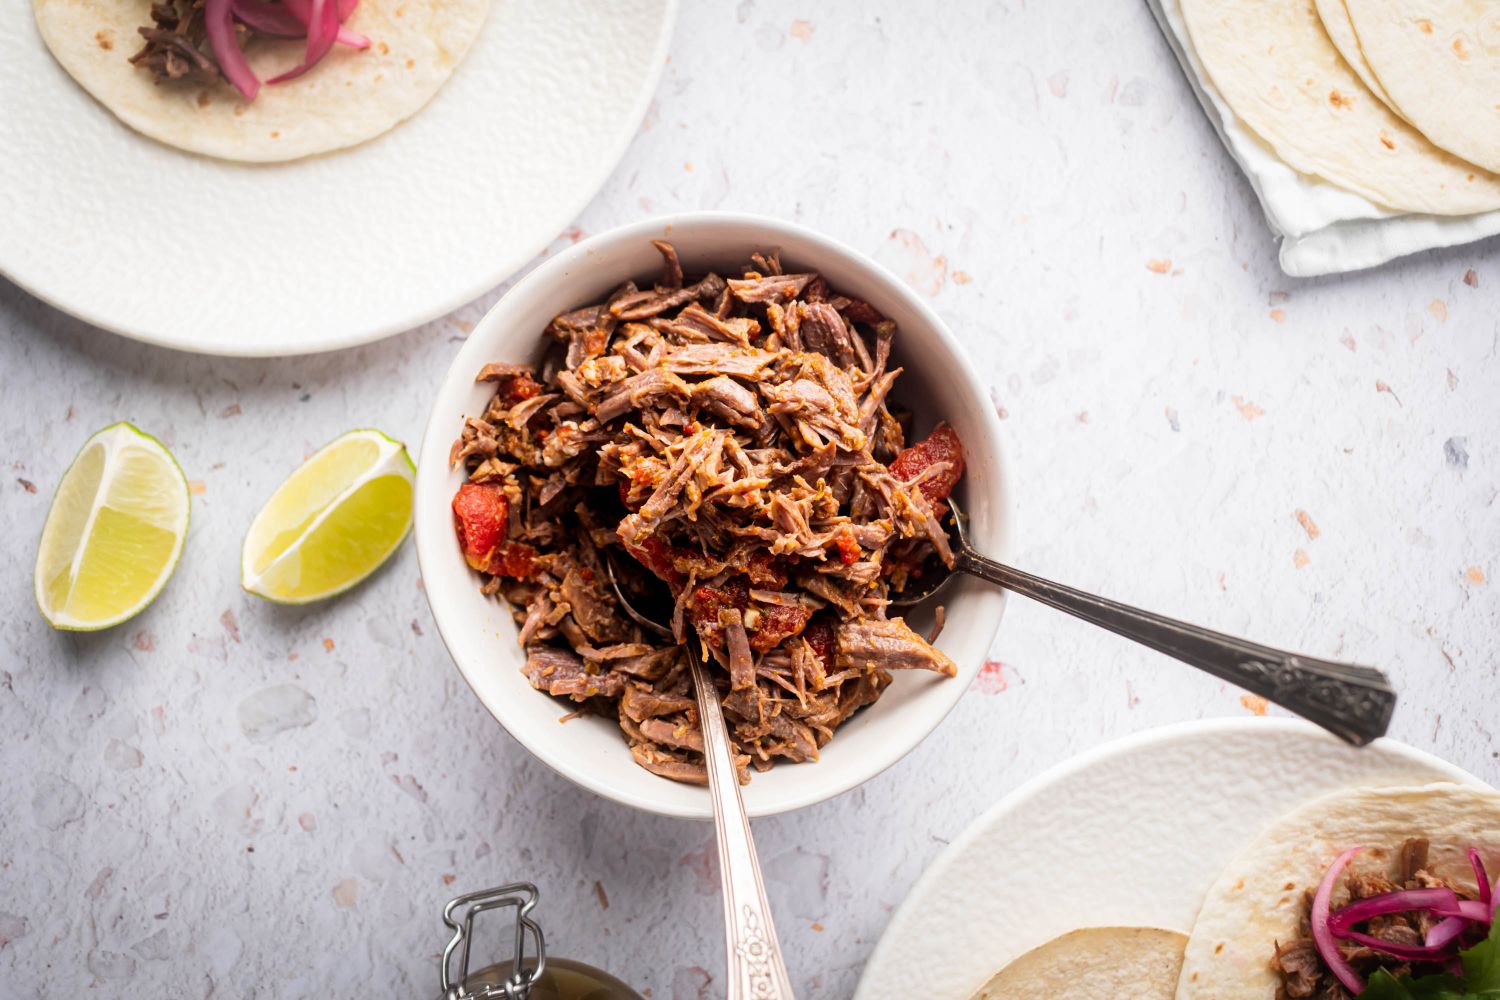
<point>459,915</point>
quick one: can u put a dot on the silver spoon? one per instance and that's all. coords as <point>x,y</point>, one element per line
<point>756,970</point>
<point>1352,702</point>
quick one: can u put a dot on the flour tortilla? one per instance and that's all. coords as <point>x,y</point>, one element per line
<point>1274,64</point>
<point>349,97</point>
<point>1098,963</point>
<point>1258,899</point>
<point>1440,62</point>
<point>1335,18</point>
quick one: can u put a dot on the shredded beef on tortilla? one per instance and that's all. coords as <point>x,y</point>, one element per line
<point>735,439</point>
<point>1303,973</point>
<point>177,44</point>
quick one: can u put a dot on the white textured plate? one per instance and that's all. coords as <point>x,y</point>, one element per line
<point>1131,833</point>
<point>336,250</point>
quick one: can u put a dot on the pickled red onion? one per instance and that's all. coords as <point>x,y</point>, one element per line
<point>353,39</point>
<point>1440,901</point>
<point>1481,876</point>
<point>321,21</point>
<point>1444,931</point>
<point>302,10</point>
<point>270,18</point>
<point>1323,939</point>
<point>322,32</point>
<point>1407,952</point>
<point>218,21</point>
<point>1473,909</point>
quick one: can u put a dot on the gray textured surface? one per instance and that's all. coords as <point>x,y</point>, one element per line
<point>224,798</point>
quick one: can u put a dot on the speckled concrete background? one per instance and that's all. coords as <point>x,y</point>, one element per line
<point>224,798</point>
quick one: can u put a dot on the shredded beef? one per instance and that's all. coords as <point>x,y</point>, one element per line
<point>177,44</point>
<point>1299,967</point>
<point>734,440</point>
<point>888,644</point>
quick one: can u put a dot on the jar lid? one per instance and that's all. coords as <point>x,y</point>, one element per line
<point>460,914</point>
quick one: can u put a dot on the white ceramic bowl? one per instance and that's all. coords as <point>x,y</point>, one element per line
<point>939,383</point>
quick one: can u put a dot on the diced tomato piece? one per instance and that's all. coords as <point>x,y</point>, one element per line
<point>513,559</point>
<point>776,624</point>
<point>942,445</point>
<point>660,558</point>
<point>512,389</point>
<point>819,635</point>
<point>848,548</point>
<point>708,601</point>
<point>481,516</point>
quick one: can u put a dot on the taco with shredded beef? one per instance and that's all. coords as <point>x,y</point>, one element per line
<point>1365,892</point>
<point>260,80</point>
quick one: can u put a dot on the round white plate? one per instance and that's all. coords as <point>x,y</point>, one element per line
<point>332,251</point>
<point>1131,833</point>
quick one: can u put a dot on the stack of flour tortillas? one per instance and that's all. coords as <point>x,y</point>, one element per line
<point>1368,128</point>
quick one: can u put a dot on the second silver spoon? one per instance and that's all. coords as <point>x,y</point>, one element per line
<point>755,968</point>
<point>1352,702</point>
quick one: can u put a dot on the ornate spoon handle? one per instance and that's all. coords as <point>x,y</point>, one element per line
<point>754,955</point>
<point>1352,702</point>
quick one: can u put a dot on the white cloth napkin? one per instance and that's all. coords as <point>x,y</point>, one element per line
<point>1323,229</point>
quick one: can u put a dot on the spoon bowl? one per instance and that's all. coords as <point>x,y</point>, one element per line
<point>935,576</point>
<point>649,624</point>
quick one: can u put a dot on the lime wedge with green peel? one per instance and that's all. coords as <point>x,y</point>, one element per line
<point>333,522</point>
<point>114,533</point>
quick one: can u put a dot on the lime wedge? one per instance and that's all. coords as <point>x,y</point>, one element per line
<point>333,522</point>
<point>114,533</point>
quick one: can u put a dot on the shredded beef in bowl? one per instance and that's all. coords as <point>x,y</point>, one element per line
<point>739,440</point>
